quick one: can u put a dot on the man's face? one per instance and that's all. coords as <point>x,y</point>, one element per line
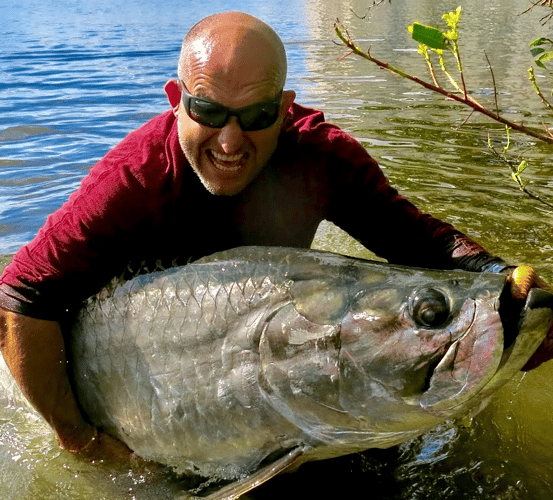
<point>227,159</point>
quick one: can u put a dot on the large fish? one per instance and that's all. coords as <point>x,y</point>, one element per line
<point>252,361</point>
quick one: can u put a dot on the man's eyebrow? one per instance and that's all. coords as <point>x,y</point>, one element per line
<point>200,95</point>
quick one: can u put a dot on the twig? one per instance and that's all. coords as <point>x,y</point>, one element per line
<point>452,80</point>
<point>466,99</point>
<point>536,197</point>
<point>376,3</point>
<point>543,3</point>
<point>494,85</point>
<point>457,55</point>
<point>431,69</point>
<point>516,171</point>
<point>537,89</point>
<point>466,119</point>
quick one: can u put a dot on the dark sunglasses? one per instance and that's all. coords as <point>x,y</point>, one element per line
<point>211,114</point>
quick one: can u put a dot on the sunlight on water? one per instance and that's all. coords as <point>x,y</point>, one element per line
<point>79,75</point>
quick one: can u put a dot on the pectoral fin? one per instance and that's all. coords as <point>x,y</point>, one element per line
<point>237,489</point>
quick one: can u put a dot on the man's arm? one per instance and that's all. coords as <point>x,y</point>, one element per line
<point>82,246</point>
<point>34,351</point>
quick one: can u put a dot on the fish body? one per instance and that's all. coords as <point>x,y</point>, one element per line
<point>225,366</point>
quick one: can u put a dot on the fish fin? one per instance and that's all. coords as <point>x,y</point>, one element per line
<point>237,489</point>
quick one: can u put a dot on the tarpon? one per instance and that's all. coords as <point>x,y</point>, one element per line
<point>247,363</point>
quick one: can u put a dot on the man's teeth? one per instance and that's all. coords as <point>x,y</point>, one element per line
<point>227,163</point>
<point>228,158</point>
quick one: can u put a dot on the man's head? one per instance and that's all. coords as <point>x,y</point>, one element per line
<point>237,61</point>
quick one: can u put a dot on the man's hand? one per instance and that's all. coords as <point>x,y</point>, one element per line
<point>97,445</point>
<point>104,447</point>
<point>34,351</point>
<point>112,454</point>
<point>522,280</point>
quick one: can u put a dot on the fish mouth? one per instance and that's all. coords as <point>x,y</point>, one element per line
<point>531,319</point>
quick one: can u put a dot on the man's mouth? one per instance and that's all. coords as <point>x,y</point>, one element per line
<point>227,163</point>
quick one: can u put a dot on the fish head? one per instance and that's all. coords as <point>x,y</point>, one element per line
<point>385,353</point>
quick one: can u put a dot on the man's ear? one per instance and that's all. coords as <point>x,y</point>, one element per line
<point>173,92</point>
<point>288,97</point>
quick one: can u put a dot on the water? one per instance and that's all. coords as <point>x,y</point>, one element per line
<point>78,75</point>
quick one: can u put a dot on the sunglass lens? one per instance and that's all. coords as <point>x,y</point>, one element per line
<point>208,113</point>
<point>259,117</point>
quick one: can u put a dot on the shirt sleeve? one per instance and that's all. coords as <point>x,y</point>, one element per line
<point>364,204</point>
<point>82,244</point>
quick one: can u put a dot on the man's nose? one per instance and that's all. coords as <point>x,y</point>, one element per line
<point>231,136</point>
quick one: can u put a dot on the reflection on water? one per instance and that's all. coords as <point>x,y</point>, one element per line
<point>79,75</point>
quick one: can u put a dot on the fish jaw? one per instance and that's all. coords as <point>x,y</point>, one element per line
<point>384,371</point>
<point>347,383</point>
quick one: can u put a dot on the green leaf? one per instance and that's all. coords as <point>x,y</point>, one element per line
<point>537,42</point>
<point>429,35</point>
<point>540,41</point>
<point>522,167</point>
<point>546,56</point>
<point>452,35</point>
<point>540,54</point>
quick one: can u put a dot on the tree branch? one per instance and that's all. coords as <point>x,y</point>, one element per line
<point>465,99</point>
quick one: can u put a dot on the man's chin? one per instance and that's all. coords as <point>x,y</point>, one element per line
<point>222,187</point>
<point>225,183</point>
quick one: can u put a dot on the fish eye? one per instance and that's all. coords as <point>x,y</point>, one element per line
<point>429,308</point>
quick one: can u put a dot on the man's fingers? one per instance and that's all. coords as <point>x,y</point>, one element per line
<point>103,446</point>
<point>523,279</point>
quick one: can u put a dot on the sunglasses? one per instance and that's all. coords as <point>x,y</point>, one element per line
<point>211,114</point>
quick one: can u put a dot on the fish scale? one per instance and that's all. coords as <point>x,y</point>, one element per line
<point>202,309</point>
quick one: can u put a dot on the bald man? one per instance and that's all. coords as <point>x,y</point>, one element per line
<point>235,161</point>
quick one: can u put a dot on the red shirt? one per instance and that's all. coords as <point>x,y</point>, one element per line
<point>143,204</point>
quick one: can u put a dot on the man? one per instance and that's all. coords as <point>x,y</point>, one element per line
<point>234,162</point>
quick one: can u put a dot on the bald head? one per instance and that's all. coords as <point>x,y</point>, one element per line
<point>232,44</point>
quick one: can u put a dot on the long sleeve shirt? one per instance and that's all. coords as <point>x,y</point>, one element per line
<point>142,206</point>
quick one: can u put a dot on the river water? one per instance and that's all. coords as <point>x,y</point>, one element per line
<point>78,75</point>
